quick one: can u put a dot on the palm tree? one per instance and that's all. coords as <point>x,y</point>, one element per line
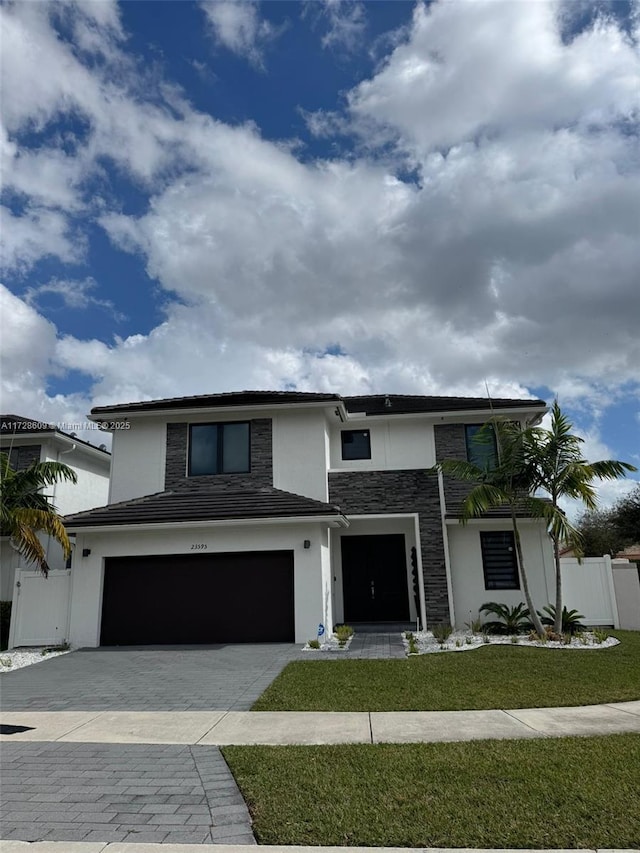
<point>562,472</point>
<point>508,480</point>
<point>26,511</point>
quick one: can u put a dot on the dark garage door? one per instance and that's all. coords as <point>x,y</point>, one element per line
<point>204,598</point>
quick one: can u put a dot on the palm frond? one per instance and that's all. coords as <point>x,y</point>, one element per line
<point>483,497</point>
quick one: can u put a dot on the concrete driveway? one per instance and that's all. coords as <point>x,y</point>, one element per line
<point>150,678</point>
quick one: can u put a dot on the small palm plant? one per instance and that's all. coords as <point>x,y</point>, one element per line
<point>26,511</point>
<point>511,620</point>
<point>569,619</point>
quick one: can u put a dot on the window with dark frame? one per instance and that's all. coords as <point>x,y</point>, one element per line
<point>219,449</point>
<point>499,560</point>
<point>480,441</point>
<point>356,444</point>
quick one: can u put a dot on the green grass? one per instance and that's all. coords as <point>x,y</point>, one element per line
<point>564,793</point>
<point>487,677</point>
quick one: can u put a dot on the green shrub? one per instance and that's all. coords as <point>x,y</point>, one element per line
<point>511,620</point>
<point>5,621</point>
<point>413,645</point>
<point>600,635</point>
<point>474,625</point>
<point>570,619</point>
<point>314,644</point>
<point>343,632</point>
<point>442,632</point>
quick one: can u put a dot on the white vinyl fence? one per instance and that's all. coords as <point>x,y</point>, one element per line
<point>605,591</point>
<point>40,612</point>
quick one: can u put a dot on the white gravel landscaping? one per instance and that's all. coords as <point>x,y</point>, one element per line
<point>463,641</point>
<point>19,658</point>
<point>331,644</point>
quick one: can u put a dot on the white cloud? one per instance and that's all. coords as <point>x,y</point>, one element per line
<point>37,233</point>
<point>73,293</point>
<point>347,24</point>
<point>512,257</point>
<point>495,66</point>
<point>237,25</point>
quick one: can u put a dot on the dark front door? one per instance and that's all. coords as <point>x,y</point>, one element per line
<point>204,598</point>
<point>374,578</point>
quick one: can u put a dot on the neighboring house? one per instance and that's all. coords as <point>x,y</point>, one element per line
<point>27,441</point>
<point>255,516</point>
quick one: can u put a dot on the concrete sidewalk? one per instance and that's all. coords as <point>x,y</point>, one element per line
<point>220,728</point>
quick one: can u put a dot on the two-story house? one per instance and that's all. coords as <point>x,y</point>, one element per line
<point>255,516</point>
<point>26,441</point>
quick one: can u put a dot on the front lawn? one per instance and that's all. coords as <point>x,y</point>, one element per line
<point>488,677</point>
<point>560,793</point>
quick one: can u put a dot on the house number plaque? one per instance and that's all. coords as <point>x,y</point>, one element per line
<point>199,546</point>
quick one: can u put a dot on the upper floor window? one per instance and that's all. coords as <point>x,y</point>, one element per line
<point>356,444</point>
<point>219,449</point>
<point>481,446</point>
<point>499,560</point>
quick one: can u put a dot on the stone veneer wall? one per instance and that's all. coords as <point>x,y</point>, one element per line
<point>451,444</point>
<point>261,473</point>
<point>369,492</point>
<point>23,456</point>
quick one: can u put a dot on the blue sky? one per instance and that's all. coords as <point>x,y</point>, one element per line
<point>355,197</point>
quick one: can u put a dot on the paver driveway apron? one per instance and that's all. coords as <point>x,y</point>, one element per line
<point>69,792</point>
<point>180,678</point>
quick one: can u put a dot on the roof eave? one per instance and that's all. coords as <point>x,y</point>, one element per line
<point>124,415</point>
<point>461,414</point>
<point>76,528</point>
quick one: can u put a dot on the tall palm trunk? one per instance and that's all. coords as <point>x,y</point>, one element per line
<point>535,619</point>
<point>557,622</point>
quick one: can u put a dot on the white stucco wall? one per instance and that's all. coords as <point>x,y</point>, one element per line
<point>371,527</point>
<point>467,576</point>
<point>299,453</point>
<point>310,566</point>
<point>138,460</point>
<point>92,488</point>
<point>395,445</point>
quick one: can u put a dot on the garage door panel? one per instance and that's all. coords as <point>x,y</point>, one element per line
<point>209,598</point>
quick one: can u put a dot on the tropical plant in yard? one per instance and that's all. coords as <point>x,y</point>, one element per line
<point>560,470</point>
<point>530,460</point>
<point>569,620</point>
<point>508,480</point>
<point>26,511</point>
<point>510,619</point>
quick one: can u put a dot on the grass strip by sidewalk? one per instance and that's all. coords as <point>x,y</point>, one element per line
<point>487,677</point>
<point>564,793</point>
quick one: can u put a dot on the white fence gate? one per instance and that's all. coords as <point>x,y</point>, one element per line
<point>40,611</point>
<point>588,588</point>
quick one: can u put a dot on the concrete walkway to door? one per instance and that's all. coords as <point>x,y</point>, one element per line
<point>150,678</point>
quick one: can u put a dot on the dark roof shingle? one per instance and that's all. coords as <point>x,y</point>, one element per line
<point>210,401</point>
<point>242,503</point>
<point>403,404</point>
<point>18,425</point>
<point>372,404</point>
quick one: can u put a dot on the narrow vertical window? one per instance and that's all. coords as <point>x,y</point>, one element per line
<point>499,560</point>
<point>481,446</point>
